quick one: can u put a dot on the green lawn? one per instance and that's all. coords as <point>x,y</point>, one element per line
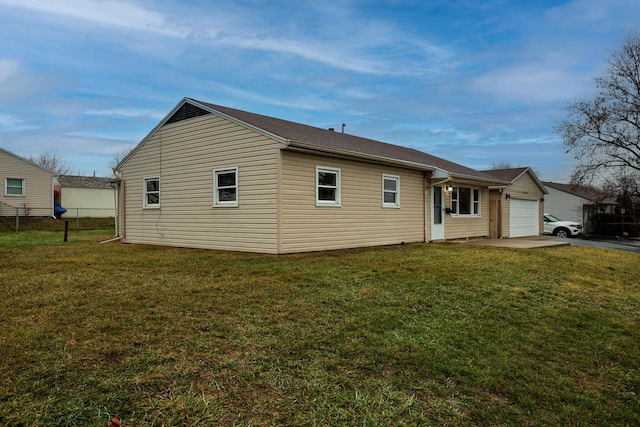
<point>426,334</point>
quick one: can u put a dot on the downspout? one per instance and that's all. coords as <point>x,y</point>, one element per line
<point>115,204</point>
<point>427,206</point>
<point>53,198</point>
<point>116,194</point>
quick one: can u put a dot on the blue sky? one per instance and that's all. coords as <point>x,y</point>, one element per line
<point>474,81</point>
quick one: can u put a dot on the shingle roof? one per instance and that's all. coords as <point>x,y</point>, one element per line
<point>508,174</point>
<point>330,140</point>
<point>511,174</point>
<point>589,193</point>
<point>84,181</point>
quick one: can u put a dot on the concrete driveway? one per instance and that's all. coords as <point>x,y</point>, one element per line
<point>520,242</point>
<point>631,245</point>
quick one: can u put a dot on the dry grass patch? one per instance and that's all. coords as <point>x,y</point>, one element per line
<point>413,335</point>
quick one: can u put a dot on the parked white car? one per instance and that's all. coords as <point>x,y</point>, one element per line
<point>560,228</point>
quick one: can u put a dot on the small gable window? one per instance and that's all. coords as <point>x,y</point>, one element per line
<point>151,191</point>
<point>14,187</point>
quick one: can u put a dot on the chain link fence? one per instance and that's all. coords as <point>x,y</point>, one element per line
<point>15,217</point>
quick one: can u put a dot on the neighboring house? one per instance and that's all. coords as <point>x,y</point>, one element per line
<point>516,209</point>
<point>213,177</point>
<point>87,196</point>
<point>26,187</point>
<point>576,203</point>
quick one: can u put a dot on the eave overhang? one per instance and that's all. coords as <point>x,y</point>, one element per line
<point>336,152</point>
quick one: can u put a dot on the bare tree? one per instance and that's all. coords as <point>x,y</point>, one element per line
<point>603,133</point>
<point>503,164</point>
<point>52,162</point>
<point>620,184</point>
<point>119,156</point>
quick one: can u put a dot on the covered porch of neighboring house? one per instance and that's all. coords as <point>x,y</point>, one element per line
<point>592,212</point>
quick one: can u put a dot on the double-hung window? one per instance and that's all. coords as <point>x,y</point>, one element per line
<point>14,187</point>
<point>465,201</point>
<point>151,192</point>
<point>327,186</point>
<point>390,191</point>
<point>225,187</point>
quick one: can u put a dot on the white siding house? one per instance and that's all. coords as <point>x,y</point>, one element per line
<point>565,201</point>
<point>574,203</point>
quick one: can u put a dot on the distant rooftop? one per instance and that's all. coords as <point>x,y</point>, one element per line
<point>84,181</point>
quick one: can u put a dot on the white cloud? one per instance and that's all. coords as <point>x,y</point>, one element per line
<point>530,83</point>
<point>106,12</point>
<point>8,69</point>
<point>596,15</point>
<point>18,82</point>
<point>10,123</point>
<point>308,50</point>
<point>357,54</point>
<point>305,103</point>
<point>351,43</point>
<point>127,113</point>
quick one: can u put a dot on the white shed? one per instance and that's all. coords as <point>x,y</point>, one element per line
<point>86,196</point>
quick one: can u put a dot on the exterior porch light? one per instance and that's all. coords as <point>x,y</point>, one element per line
<point>448,187</point>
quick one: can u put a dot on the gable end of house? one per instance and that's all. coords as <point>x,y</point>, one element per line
<point>186,111</point>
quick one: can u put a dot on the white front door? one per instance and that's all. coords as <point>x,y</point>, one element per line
<point>437,213</point>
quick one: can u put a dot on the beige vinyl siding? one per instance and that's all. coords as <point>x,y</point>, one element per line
<point>463,226</point>
<point>360,220</point>
<point>184,155</point>
<point>522,188</point>
<point>38,187</point>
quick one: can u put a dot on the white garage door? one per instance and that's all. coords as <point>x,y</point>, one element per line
<point>524,218</point>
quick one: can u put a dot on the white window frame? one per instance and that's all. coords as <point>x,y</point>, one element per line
<point>216,189</point>
<point>337,199</point>
<point>23,191</point>
<point>396,179</point>
<point>145,203</point>
<point>474,205</point>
